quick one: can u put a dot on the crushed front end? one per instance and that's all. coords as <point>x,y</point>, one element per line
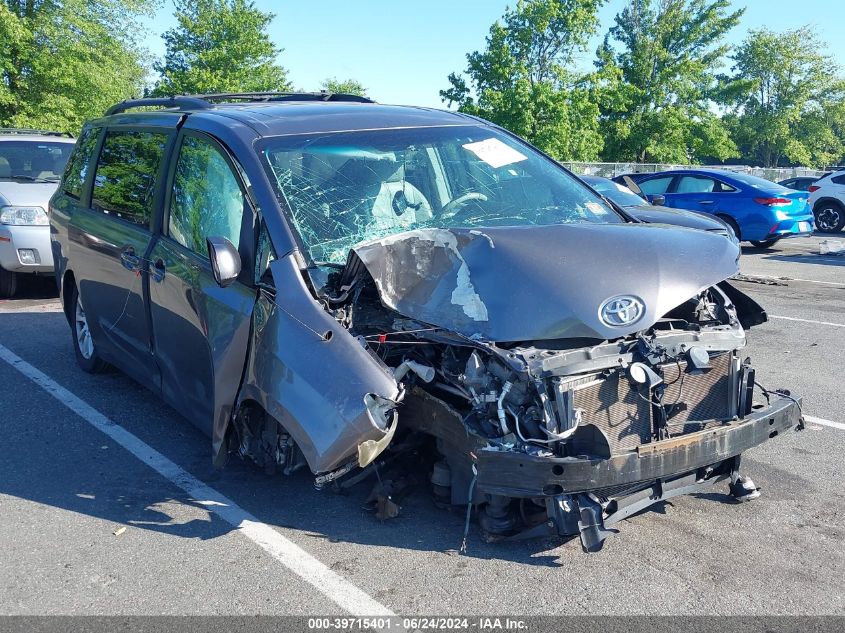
<point>570,435</point>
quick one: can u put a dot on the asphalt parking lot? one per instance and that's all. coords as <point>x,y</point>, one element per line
<point>67,489</point>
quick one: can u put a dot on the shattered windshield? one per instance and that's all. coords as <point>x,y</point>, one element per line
<point>345,188</point>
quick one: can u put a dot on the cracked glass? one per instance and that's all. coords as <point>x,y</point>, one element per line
<point>346,188</point>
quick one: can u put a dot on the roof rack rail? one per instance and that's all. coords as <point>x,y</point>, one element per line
<point>206,101</point>
<point>284,96</point>
<point>29,130</point>
<point>181,102</point>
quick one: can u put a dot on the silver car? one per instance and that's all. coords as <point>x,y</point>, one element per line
<point>31,164</point>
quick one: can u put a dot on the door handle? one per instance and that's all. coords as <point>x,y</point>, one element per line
<point>705,202</point>
<point>130,260</point>
<point>157,270</point>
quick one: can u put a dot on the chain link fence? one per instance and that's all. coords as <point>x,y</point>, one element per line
<point>609,170</point>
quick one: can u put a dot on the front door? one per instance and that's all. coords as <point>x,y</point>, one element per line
<point>113,236</point>
<point>200,330</point>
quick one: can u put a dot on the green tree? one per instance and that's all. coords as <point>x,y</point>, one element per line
<point>659,61</point>
<point>344,86</point>
<point>219,46</point>
<point>523,79</point>
<point>791,109</point>
<point>64,62</point>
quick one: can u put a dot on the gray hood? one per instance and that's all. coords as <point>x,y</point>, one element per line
<point>26,194</point>
<point>543,282</point>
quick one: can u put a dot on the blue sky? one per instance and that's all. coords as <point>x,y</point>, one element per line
<point>402,51</point>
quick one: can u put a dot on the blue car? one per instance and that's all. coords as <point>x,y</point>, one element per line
<point>759,211</point>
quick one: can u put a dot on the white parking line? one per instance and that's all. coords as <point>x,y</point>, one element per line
<point>786,318</point>
<point>815,420</point>
<point>814,281</point>
<point>333,586</point>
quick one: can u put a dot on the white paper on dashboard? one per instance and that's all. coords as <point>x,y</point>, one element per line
<point>495,153</point>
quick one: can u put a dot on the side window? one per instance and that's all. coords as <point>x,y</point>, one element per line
<point>124,183</point>
<point>207,199</point>
<point>77,167</point>
<point>655,185</point>
<point>696,184</point>
<point>839,180</point>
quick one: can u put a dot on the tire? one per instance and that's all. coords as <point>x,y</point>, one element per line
<point>765,243</point>
<point>830,216</point>
<point>8,283</point>
<point>83,344</point>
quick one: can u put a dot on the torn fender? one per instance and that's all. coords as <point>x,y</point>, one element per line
<point>312,376</point>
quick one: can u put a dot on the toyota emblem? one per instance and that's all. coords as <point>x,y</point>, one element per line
<point>621,310</point>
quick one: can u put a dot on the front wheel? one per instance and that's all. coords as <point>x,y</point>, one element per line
<point>830,217</point>
<point>765,243</point>
<point>8,283</point>
<point>83,344</point>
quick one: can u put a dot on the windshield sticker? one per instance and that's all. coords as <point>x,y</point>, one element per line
<point>596,208</point>
<point>495,153</point>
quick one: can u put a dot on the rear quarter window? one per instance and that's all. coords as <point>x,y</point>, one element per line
<point>126,175</point>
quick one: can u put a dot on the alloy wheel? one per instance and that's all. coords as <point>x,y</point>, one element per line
<point>828,219</point>
<point>83,334</point>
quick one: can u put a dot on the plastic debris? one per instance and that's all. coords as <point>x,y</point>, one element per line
<point>119,530</point>
<point>832,247</point>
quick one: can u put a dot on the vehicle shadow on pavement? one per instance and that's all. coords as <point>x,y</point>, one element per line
<point>52,457</point>
<point>816,260</point>
<point>324,515</point>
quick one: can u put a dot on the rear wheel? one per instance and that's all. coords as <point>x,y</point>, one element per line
<point>8,283</point>
<point>83,344</point>
<point>830,216</point>
<point>765,243</point>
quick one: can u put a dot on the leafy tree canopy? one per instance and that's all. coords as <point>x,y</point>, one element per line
<point>523,82</point>
<point>64,62</point>
<point>658,64</point>
<point>219,46</point>
<point>344,86</point>
<point>791,104</point>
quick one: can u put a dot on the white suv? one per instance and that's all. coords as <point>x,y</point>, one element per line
<point>31,164</point>
<point>827,200</point>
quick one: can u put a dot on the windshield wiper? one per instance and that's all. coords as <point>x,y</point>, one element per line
<point>29,178</point>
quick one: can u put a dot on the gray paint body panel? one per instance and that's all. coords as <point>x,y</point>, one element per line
<point>543,282</point>
<point>313,387</point>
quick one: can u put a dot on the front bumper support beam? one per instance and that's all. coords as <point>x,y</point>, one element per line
<point>520,475</point>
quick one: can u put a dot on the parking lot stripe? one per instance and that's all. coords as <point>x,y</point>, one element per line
<point>814,281</point>
<point>786,318</point>
<point>332,585</point>
<point>815,420</point>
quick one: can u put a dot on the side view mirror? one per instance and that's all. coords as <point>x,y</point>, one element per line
<point>225,260</point>
<point>658,200</point>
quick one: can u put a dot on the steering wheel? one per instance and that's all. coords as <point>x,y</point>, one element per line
<point>451,208</point>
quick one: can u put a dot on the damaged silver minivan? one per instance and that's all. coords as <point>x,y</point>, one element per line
<point>320,281</point>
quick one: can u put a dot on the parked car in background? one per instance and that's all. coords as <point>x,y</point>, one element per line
<point>800,183</point>
<point>31,164</point>
<point>827,200</point>
<point>759,211</point>
<point>638,207</point>
<point>320,283</point>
